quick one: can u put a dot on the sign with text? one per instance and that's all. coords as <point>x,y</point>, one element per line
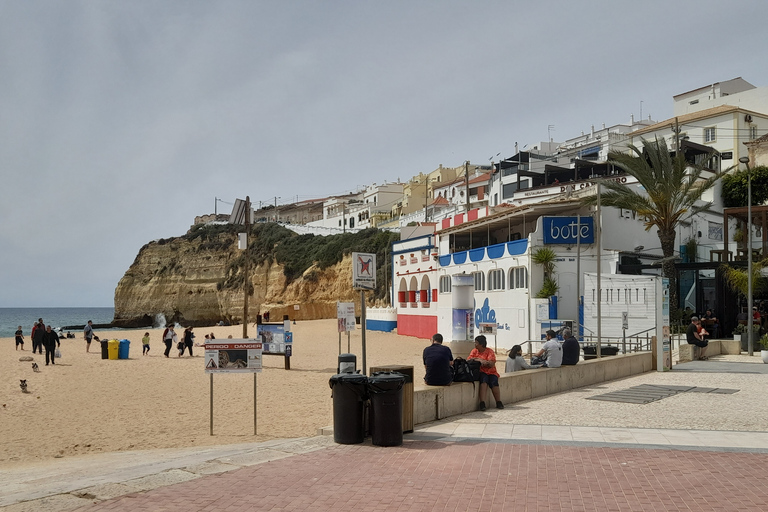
<point>233,356</point>
<point>363,271</point>
<point>275,338</point>
<point>568,230</point>
<point>345,313</point>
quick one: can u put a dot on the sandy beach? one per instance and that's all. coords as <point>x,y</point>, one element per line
<point>85,404</point>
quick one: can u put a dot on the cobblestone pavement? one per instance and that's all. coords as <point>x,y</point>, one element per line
<point>472,475</point>
<point>691,452</point>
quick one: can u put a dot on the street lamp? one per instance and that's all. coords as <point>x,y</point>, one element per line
<point>750,331</point>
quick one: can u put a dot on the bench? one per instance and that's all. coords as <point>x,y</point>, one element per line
<point>432,403</point>
<point>688,352</point>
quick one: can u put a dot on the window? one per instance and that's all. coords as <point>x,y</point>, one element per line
<point>508,190</point>
<point>479,281</point>
<point>693,102</point>
<point>445,284</point>
<point>518,278</point>
<point>752,132</point>
<point>496,279</point>
<point>709,134</point>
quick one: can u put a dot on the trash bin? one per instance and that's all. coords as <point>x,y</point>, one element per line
<point>407,390</point>
<point>347,363</point>
<point>349,394</point>
<point>386,392</point>
<point>590,352</point>
<point>123,348</point>
<point>113,347</point>
<point>104,349</point>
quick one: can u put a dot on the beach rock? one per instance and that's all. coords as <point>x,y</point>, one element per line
<point>184,280</point>
<point>26,358</point>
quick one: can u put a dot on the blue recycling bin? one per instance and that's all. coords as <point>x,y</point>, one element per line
<point>122,350</point>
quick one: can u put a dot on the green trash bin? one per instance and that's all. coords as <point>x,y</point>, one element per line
<point>113,347</point>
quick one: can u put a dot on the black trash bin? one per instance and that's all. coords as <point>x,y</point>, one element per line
<point>349,394</point>
<point>104,349</point>
<point>386,392</point>
<point>590,352</point>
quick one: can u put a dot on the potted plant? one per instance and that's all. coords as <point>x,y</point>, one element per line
<point>546,257</point>
<point>764,348</point>
<point>741,331</point>
<point>738,331</point>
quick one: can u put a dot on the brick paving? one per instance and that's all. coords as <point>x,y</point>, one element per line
<point>473,475</point>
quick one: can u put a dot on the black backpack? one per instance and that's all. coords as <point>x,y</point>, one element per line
<point>465,371</point>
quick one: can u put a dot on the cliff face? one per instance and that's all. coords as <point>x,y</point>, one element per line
<point>186,280</point>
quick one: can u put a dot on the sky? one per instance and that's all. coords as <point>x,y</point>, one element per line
<point>121,121</point>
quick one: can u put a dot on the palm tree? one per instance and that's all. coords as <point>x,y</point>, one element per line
<point>671,189</point>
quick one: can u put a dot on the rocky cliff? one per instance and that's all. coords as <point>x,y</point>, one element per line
<point>199,281</point>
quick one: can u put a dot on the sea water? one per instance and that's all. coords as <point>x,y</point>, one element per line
<point>12,318</point>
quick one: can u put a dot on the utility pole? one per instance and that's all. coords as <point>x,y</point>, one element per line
<point>246,270</point>
<point>466,181</point>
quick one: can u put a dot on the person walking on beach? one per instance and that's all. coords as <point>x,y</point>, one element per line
<point>50,340</point>
<point>169,338</point>
<point>145,344</point>
<point>19,338</point>
<point>38,333</point>
<point>88,335</point>
<point>189,337</point>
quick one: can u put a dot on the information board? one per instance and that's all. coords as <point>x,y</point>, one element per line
<point>275,339</point>
<point>233,356</point>
<point>345,314</point>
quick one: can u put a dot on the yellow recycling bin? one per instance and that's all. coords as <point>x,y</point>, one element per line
<point>113,347</point>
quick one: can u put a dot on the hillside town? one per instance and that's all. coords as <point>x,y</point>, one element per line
<point>474,230</point>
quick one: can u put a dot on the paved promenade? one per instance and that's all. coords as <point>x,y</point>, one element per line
<point>589,455</point>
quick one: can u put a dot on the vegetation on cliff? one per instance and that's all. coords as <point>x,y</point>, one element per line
<point>270,242</point>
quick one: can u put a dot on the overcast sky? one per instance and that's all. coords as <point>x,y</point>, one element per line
<point>122,120</point>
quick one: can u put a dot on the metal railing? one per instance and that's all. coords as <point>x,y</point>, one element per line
<point>637,342</point>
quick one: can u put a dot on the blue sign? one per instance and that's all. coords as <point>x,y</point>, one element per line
<point>566,230</point>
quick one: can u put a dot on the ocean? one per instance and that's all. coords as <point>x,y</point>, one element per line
<point>12,318</point>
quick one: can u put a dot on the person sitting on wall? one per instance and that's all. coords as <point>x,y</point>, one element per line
<point>515,361</point>
<point>694,337</point>
<point>710,320</point>
<point>551,353</point>
<point>571,348</point>
<point>489,376</point>
<point>438,361</point>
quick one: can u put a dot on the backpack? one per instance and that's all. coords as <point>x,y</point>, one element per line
<point>465,371</point>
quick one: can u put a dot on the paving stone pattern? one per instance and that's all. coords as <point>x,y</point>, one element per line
<point>647,393</point>
<point>473,475</point>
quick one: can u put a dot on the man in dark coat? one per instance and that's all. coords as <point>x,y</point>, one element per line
<point>51,341</point>
<point>37,337</point>
<point>571,348</point>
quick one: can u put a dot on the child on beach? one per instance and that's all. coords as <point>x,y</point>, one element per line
<point>19,339</point>
<point>145,344</point>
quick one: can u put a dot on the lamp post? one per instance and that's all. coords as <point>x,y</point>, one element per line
<point>750,331</point>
